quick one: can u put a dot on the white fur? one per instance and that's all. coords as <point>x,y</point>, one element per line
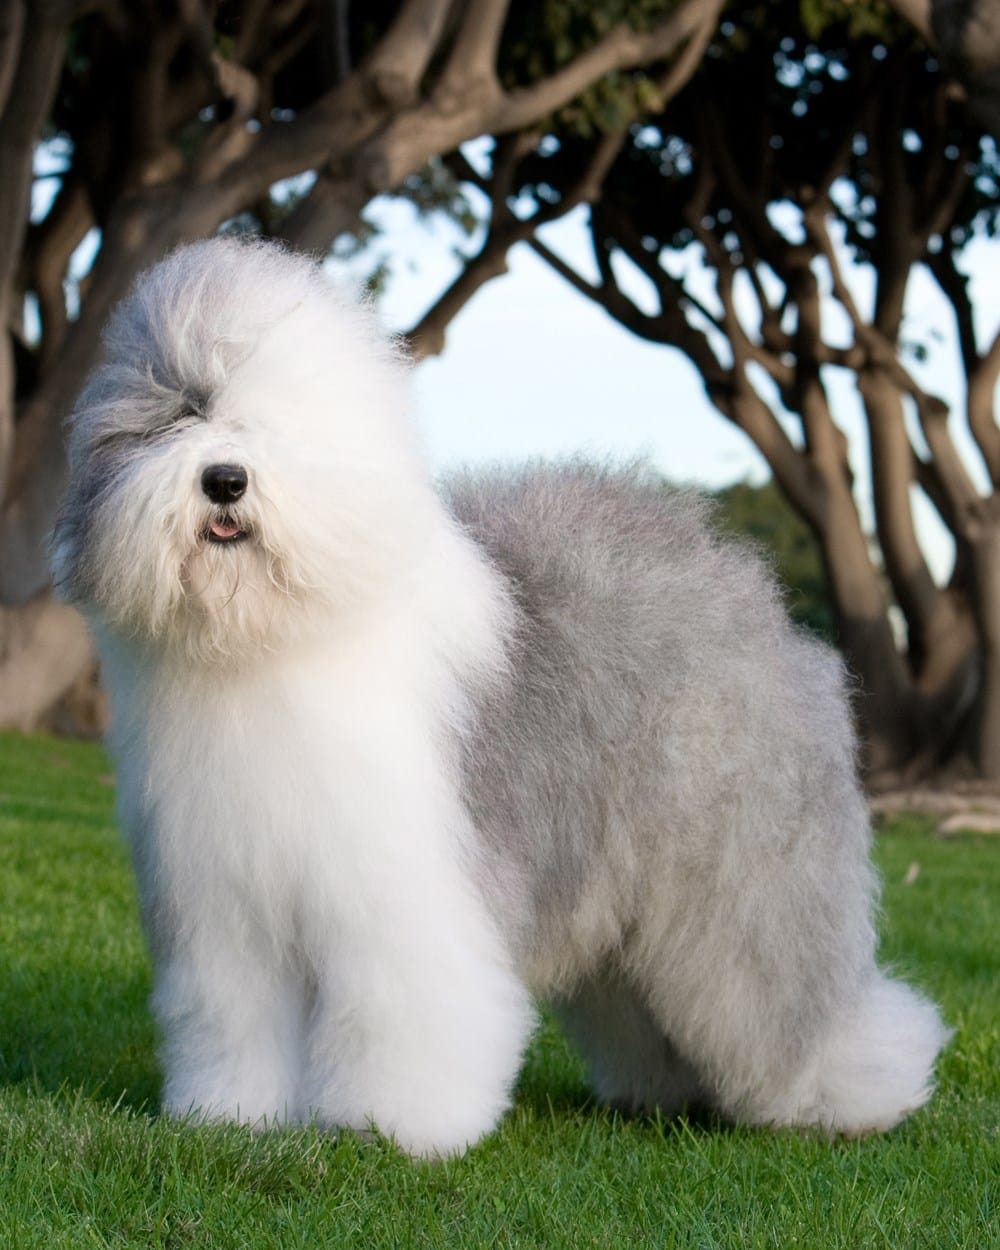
<point>231,786</point>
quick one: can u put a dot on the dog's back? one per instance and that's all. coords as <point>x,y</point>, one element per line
<point>658,694</point>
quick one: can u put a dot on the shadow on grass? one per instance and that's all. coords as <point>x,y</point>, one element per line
<point>554,1085</point>
<point>92,1037</point>
<point>83,1033</point>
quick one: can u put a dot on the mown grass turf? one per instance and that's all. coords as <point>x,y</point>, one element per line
<point>86,1162</point>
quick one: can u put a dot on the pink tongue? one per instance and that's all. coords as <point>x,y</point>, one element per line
<point>223,529</point>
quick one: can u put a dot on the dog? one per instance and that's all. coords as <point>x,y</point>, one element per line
<point>396,761</point>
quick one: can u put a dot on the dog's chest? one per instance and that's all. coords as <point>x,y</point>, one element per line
<point>296,789</point>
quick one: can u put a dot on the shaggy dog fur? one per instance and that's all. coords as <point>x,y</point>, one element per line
<point>392,763</point>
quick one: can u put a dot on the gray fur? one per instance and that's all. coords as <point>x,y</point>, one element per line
<point>671,776</point>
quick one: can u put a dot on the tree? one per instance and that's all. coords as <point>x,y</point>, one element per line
<point>163,119</point>
<point>792,157</point>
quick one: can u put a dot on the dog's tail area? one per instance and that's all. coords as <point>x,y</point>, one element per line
<point>874,1068</point>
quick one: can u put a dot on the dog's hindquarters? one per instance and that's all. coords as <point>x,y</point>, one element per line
<point>763,971</point>
<point>873,1067</point>
<point>753,942</point>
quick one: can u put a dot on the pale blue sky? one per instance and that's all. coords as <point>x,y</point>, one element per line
<point>531,368</point>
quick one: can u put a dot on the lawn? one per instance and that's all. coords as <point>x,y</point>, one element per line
<point>85,1161</point>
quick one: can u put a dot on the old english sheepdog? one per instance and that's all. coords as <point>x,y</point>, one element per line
<point>395,761</point>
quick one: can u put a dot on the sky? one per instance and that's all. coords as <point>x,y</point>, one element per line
<point>531,368</point>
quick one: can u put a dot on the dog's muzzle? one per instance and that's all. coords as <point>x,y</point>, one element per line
<point>224,484</point>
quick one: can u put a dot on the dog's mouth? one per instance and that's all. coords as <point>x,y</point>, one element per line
<point>225,529</point>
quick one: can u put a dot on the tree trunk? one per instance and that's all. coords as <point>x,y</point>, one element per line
<point>882,704</point>
<point>44,649</point>
<point>986,573</point>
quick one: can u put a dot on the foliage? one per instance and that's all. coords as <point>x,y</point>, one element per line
<point>84,1159</point>
<point>810,98</point>
<point>541,38</point>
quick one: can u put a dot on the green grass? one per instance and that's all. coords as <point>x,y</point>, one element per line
<point>86,1162</point>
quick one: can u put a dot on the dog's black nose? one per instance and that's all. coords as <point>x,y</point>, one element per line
<point>224,483</point>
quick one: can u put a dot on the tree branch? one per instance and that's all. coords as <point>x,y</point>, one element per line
<point>918,14</point>
<point>682,70</point>
<point>735,400</point>
<point>745,348</point>
<point>613,301</point>
<point>428,336</point>
<point>893,473</point>
<point>37,75</point>
<point>332,207</point>
<point>413,137</point>
<point>11,36</point>
<point>34,84</point>
<point>881,356</point>
<point>622,48</point>
<point>943,202</point>
<point>281,52</point>
<point>471,72</point>
<point>982,385</point>
<point>399,60</point>
<point>981,372</point>
<point>826,445</point>
<point>900,241</point>
<point>48,249</point>
<point>253,21</point>
<point>148,114</point>
<point>954,286</point>
<point>718,166</point>
<point>339,39</point>
<point>883,381</point>
<point>330,132</point>
<point>228,142</point>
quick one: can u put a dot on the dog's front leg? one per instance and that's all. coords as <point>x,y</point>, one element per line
<point>230,1019</point>
<point>419,1022</point>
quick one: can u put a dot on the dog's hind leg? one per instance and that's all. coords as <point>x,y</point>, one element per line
<point>871,1068</point>
<point>763,974</point>
<point>633,1066</point>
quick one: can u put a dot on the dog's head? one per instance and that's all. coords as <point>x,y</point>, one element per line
<point>240,462</point>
